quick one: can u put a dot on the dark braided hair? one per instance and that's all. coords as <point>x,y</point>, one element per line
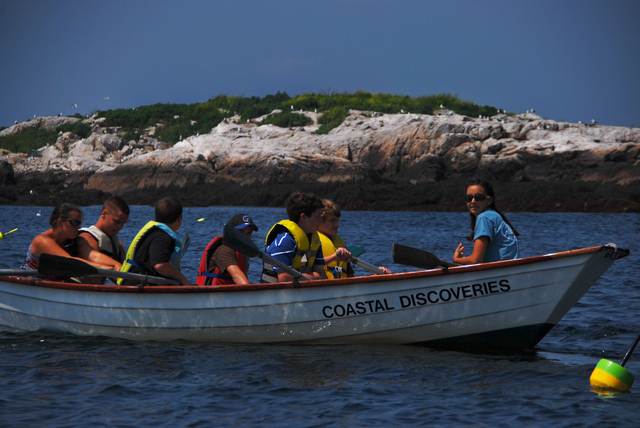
<point>488,188</point>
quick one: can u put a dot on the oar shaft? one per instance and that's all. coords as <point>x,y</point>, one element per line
<point>630,351</point>
<point>366,266</point>
<point>285,268</point>
<point>18,272</point>
<point>147,279</point>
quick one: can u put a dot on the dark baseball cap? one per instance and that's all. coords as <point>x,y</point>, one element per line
<point>241,221</point>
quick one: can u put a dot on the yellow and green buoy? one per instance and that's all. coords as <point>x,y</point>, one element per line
<point>609,375</point>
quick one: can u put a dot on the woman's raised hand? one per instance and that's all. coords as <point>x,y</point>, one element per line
<point>459,252</point>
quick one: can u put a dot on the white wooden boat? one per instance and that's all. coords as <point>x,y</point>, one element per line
<point>506,304</point>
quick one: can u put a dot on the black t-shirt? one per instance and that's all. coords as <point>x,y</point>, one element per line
<point>155,247</point>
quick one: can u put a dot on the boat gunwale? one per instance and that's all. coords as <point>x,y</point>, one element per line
<point>168,289</point>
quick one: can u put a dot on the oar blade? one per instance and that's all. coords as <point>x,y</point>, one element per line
<point>356,251</point>
<point>405,255</point>
<point>239,241</point>
<point>52,265</point>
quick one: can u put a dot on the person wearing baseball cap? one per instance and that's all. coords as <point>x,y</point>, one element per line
<point>222,265</point>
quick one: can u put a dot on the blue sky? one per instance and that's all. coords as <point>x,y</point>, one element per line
<point>570,60</point>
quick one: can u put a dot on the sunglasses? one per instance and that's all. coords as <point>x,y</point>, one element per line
<point>73,222</point>
<point>478,197</point>
<point>118,221</point>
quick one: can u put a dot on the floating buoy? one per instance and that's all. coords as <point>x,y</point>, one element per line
<point>3,235</point>
<point>201,219</point>
<point>609,375</point>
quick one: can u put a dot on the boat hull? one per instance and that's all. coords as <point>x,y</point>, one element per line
<point>497,305</point>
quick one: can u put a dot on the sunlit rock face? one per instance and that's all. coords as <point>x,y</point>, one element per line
<point>372,161</point>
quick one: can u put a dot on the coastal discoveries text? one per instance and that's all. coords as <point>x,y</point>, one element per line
<point>443,295</point>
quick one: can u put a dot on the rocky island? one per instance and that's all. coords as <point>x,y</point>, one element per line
<point>399,161</point>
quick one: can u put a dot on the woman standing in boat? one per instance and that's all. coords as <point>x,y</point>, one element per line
<point>60,239</point>
<point>494,237</point>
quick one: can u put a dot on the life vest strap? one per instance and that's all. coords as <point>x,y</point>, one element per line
<point>135,264</point>
<point>215,275</point>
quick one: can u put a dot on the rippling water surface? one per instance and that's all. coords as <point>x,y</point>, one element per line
<point>62,380</point>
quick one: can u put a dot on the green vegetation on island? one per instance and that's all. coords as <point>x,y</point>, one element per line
<point>31,139</point>
<point>176,121</point>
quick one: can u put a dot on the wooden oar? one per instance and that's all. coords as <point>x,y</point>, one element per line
<point>18,272</point>
<point>51,265</point>
<point>367,266</point>
<point>630,351</point>
<point>410,256</point>
<point>239,241</point>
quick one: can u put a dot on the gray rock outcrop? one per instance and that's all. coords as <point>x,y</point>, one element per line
<point>372,161</point>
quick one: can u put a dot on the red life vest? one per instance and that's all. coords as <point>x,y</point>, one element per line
<point>205,277</point>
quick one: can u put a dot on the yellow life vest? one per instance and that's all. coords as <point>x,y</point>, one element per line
<point>306,251</point>
<point>131,251</point>
<point>334,269</point>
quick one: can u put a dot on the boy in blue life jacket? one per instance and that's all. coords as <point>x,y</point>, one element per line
<point>295,241</point>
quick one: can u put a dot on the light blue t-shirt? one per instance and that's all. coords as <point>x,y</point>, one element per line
<point>503,244</point>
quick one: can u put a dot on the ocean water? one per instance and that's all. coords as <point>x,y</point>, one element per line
<point>62,380</point>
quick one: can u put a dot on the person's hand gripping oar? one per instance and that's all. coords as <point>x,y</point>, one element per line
<point>3,235</point>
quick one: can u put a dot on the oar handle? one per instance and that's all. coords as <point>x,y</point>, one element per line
<point>366,266</point>
<point>144,279</point>
<point>630,351</point>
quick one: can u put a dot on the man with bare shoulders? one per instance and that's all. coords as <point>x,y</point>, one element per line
<point>102,237</point>
<point>61,239</point>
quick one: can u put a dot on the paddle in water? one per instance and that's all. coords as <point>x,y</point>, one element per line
<point>3,235</point>
<point>51,265</point>
<point>609,375</point>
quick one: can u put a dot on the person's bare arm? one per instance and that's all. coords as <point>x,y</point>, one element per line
<point>285,277</point>
<point>88,249</point>
<point>45,245</point>
<point>168,270</point>
<point>237,274</point>
<point>86,243</point>
<point>103,259</point>
<point>477,255</point>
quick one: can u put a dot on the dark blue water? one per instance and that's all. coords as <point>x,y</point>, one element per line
<point>62,380</point>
